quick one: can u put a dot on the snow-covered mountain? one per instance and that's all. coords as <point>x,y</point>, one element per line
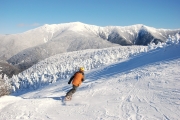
<point>25,49</point>
<point>61,66</point>
<point>122,83</point>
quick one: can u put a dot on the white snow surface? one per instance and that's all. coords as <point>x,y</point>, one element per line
<point>139,86</point>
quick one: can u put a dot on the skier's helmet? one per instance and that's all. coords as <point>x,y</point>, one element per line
<point>81,69</point>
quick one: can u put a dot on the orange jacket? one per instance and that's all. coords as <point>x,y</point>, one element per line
<point>77,78</point>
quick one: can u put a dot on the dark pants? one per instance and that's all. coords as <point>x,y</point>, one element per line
<point>72,91</point>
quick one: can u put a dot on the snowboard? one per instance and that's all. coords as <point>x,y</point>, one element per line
<point>67,98</point>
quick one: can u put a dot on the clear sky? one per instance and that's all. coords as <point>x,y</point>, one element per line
<point>17,16</point>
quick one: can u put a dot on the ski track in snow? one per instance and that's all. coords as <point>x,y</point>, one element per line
<point>145,87</point>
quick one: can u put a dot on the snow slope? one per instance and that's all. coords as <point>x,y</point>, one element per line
<point>141,87</point>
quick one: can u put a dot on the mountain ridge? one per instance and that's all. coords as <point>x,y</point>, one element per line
<point>30,47</point>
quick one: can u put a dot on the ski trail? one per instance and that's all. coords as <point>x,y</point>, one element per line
<point>129,98</point>
<point>146,88</point>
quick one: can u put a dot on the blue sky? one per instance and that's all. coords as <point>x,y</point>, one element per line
<point>17,16</point>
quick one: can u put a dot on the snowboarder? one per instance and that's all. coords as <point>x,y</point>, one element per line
<point>76,80</point>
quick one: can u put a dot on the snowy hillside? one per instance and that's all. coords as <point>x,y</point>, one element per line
<point>25,49</point>
<point>130,86</point>
<point>63,65</point>
<point>7,69</point>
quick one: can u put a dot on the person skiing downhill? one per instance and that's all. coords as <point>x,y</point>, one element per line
<point>76,80</point>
